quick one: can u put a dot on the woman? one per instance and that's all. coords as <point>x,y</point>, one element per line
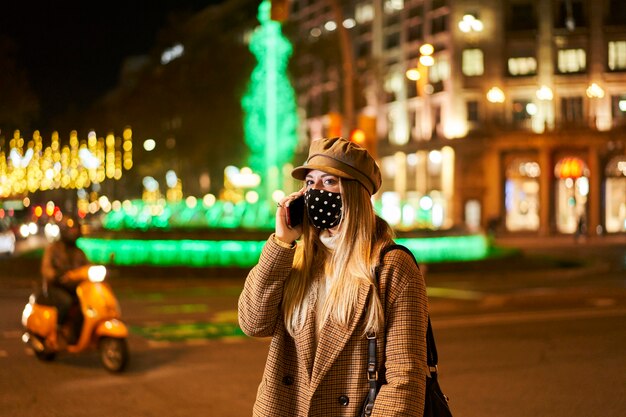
<point>59,258</point>
<point>318,299</point>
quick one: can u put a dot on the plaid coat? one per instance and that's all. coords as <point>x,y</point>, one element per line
<point>301,381</point>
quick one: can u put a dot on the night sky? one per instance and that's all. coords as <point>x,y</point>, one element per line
<point>72,50</point>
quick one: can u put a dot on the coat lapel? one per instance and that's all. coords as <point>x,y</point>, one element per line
<point>333,339</point>
<point>305,339</point>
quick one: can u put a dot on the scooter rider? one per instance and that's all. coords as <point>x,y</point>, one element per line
<point>59,258</point>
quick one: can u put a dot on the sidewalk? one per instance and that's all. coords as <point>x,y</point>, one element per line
<point>562,241</point>
<point>548,257</point>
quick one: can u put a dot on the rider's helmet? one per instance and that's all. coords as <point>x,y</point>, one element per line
<point>69,229</point>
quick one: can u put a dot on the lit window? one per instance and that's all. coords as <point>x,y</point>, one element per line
<point>473,62</point>
<point>522,66</point>
<point>572,61</point>
<point>392,6</point>
<point>394,82</point>
<point>388,166</point>
<point>617,55</point>
<point>440,70</point>
<point>398,125</point>
<point>364,13</point>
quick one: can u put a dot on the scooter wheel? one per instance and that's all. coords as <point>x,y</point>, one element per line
<point>45,355</point>
<point>39,348</point>
<point>114,353</point>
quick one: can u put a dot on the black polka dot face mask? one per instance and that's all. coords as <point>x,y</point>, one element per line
<point>323,208</point>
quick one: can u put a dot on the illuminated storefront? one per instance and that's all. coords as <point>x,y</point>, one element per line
<point>521,190</point>
<point>571,193</point>
<point>417,189</point>
<point>615,195</point>
<point>544,184</point>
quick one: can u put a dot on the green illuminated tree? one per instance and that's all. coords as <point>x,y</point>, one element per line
<point>269,104</point>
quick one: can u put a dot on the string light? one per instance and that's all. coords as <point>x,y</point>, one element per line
<point>29,167</point>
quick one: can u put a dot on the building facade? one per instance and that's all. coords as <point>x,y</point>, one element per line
<point>508,115</point>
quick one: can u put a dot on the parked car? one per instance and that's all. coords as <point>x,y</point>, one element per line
<point>7,239</point>
<point>25,229</point>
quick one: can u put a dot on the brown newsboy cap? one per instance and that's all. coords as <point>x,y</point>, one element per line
<point>343,158</point>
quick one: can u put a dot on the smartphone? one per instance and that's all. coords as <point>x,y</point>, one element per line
<point>295,212</point>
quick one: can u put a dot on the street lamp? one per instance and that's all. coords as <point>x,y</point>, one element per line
<point>470,24</point>
<point>545,95</point>
<point>149,145</point>
<point>595,93</point>
<point>426,55</point>
<point>424,61</point>
<point>419,74</point>
<point>472,27</point>
<point>495,95</point>
<point>413,74</point>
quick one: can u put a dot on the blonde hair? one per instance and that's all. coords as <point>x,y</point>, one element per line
<point>362,234</point>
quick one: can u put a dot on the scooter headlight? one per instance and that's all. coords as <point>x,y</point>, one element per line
<point>97,273</point>
<point>28,310</point>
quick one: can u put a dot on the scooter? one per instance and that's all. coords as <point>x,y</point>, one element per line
<point>99,312</point>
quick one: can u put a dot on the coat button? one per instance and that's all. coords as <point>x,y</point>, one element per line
<point>344,400</point>
<point>288,380</point>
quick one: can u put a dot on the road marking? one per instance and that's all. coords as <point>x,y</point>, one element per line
<point>523,317</point>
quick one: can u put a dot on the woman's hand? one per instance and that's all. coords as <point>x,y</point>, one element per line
<point>284,232</point>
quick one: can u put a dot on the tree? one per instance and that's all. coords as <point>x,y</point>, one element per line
<point>191,105</point>
<point>19,106</point>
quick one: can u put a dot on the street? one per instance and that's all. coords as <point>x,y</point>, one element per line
<point>535,338</point>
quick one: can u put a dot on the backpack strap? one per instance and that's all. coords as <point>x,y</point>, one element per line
<point>395,246</point>
<point>388,249</point>
<point>432,357</point>
<point>376,377</point>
